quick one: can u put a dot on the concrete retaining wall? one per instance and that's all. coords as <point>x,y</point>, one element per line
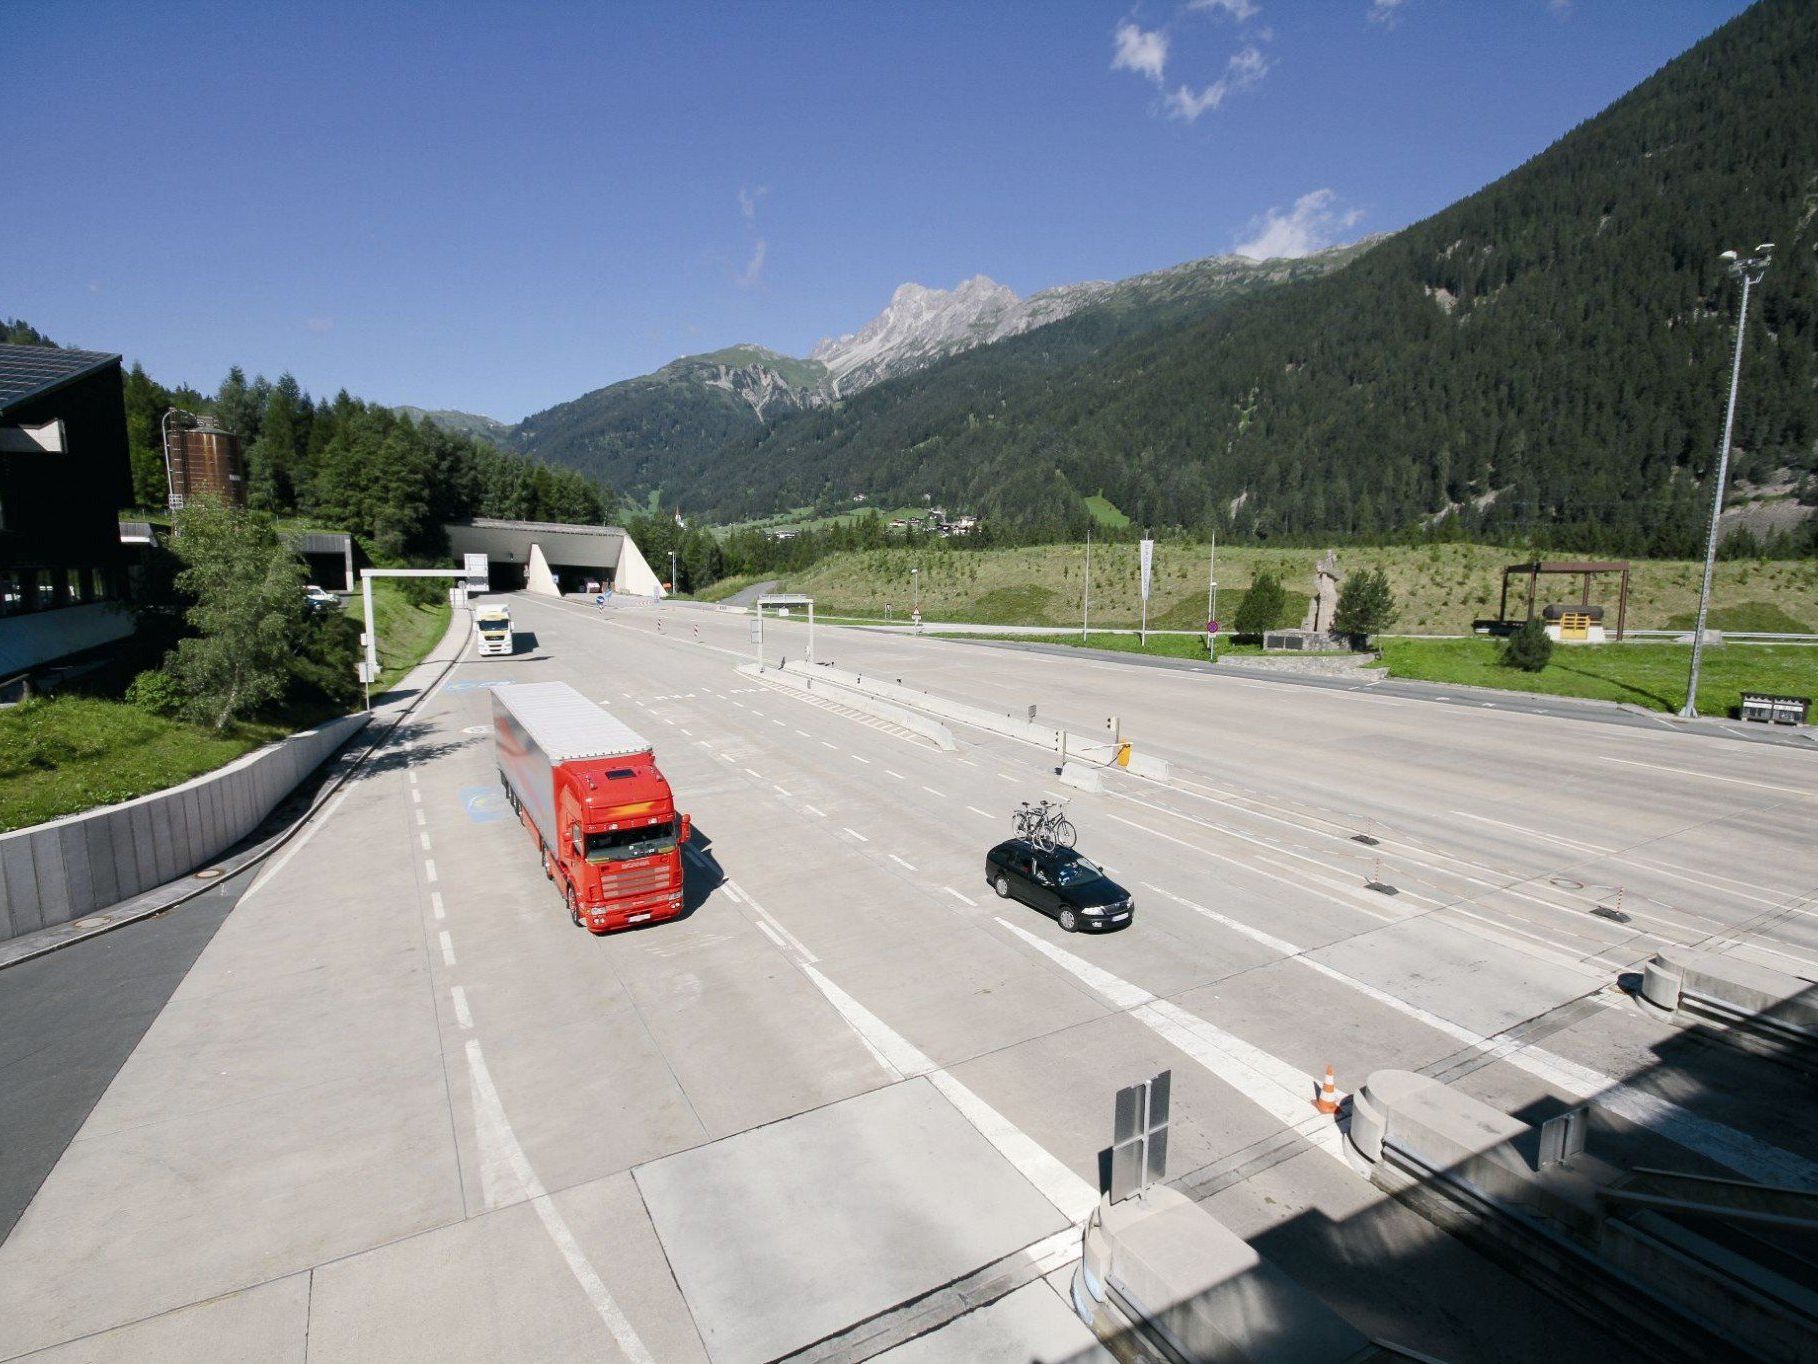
<point>53,873</point>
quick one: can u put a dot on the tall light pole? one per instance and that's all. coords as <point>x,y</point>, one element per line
<point>1085,609</point>
<point>1749,270</point>
<point>672,571</point>
<point>915,587</point>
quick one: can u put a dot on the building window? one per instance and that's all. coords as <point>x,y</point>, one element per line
<point>44,591</point>
<point>12,592</point>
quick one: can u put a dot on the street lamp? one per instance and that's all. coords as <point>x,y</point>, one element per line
<point>915,586</point>
<point>1749,270</point>
<point>672,571</point>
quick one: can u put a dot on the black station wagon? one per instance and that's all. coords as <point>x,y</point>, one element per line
<point>1062,884</point>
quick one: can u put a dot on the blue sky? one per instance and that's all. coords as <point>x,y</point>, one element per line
<point>500,206</point>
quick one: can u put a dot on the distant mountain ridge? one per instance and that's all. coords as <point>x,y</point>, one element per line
<point>640,433</point>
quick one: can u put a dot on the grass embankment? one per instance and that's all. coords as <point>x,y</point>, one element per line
<point>407,632</point>
<point>71,753</point>
<point>1158,646</point>
<point>1650,675</point>
<point>1441,589</point>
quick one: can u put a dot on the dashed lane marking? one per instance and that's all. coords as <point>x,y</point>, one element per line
<point>963,899</point>
<point>462,1015</point>
<point>818,814</point>
<point>429,869</point>
<point>448,952</point>
<point>899,861</point>
<point>856,834</point>
<point>1711,776</point>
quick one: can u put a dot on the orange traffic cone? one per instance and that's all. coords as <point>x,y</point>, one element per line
<point>1327,1102</point>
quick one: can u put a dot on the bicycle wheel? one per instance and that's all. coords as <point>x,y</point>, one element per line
<point>1063,832</point>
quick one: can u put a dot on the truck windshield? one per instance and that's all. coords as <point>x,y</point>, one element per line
<point>620,844</point>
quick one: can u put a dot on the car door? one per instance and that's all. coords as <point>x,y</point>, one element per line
<point>1044,891</point>
<point>1021,867</point>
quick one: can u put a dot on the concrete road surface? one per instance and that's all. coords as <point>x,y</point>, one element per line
<point>400,1108</point>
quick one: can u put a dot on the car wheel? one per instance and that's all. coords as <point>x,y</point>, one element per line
<point>1002,886</point>
<point>574,908</point>
<point>1069,920</point>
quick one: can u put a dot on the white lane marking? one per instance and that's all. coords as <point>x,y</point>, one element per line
<point>975,810</point>
<point>818,814</point>
<point>856,834</point>
<point>772,934</point>
<point>779,790</point>
<point>328,813</point>
<point>931,791</point>
<point>898,1056</point>
<point>826,744</point>
<point>703,743</point>
<point>424,840</point>
<point>1709,776</point>
<point>804,733</point>
<point>416,797</point>
<point>686,730</point>
<point>435,905</point>
<point>462,1015</point>
<point>898,775</point>
<point>508,1177</point>
<point>725,757</point>
<point>766,917</point>
<point>1572,843</point>
<point>1003,777</point>
<point>855,758</point>
<point>429,869</point>
<point>1736,1149</point>
<point>448,953</point>
<point>758,775</point>
<point>899,861</point>
<point>409,772</point>
<point>777,722</point>
<point>963,899</point>
<point>421,821</point>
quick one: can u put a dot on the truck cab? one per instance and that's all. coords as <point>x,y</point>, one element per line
<point>492,630</point>
<point>621,842</point>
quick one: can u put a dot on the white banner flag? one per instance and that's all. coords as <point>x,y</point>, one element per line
<point>1148,565</point>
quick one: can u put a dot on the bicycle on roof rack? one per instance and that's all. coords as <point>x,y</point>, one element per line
<point>1044,824</point>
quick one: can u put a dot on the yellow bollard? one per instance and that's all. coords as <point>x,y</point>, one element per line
<point>1123,755</point>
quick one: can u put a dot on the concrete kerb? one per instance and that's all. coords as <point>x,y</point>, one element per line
<point>859,700</point>
<point>426,676</point>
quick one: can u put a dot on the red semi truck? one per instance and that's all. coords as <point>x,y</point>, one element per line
<point>589,790</point>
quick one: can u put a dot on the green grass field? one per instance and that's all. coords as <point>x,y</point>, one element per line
<point>1158,646</point>
<point>1105,512</point>
<point>406,633</point>
<point>71,753</point>
<point>1650,675</point>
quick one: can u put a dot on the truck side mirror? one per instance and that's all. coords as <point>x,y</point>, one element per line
<point>687,829</point>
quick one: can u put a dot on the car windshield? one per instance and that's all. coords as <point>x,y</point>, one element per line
<point>618,845</point>
<point>1078,872</point>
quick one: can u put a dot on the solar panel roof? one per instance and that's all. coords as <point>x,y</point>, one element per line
<point>29,371</point>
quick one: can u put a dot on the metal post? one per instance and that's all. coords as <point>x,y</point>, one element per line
<point>1212,597</point>
<point>1085,611</point>
<point>372,636</point>
<point>757,636</point>
<point>811,632</point>
<point>1750,270</point>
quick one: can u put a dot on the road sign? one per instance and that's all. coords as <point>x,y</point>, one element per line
<point>1139,1136</point>
<point>1211,627</point>
<point>1148,557</point>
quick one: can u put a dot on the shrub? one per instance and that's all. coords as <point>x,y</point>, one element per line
<point>156,691</point>
<point>1366,604</point>
<point>1530,648</point>
<point>424,591</point>
<point>1261,607</point>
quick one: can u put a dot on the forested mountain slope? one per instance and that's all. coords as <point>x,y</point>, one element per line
<point>1548,355</point>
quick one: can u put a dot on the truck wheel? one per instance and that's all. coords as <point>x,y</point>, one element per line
<point>1069,921</point>
<point>574,908</point>
<point>1001,886</point>
<point>548,867</point>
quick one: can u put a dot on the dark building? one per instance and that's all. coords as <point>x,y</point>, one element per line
<point>64,475</point>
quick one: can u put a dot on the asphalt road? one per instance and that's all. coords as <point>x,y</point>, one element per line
<point>399,1107</point>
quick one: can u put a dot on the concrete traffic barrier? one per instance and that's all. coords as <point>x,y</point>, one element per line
<point>859,700</point>
<point>1081,776</point>
<point>62,870</point>
<point>1738,992</point>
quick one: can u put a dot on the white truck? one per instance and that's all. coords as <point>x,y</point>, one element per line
<point>492,630</point>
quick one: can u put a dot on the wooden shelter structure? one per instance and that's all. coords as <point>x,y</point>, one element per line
<point>1585,570</point>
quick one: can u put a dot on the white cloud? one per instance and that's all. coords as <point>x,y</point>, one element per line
<point>1239,10</point>
<point>753,274</point>
<point>1144,51</point>
<point>1244,69</point>
<point>748,201</point>
<point>1386,11</point>
<point>1311,225</point>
